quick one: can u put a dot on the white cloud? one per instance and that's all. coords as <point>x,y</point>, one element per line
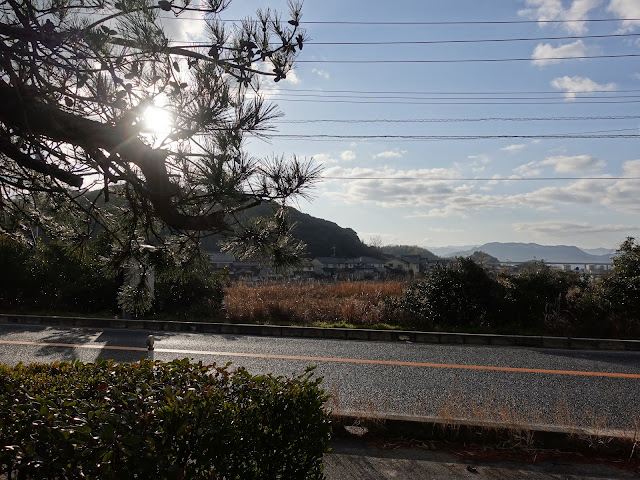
<point>562,229</point>
<point>390,187</point>
<point>348,155</point>
<point>573,163</point>
<point>292,77</point>
<point>391,154</point>
<point>429,194</point>
<point>546,10</point>
<point>574,85</point>
<point>636,76</point>
<point>546,54</point>
<point>269,88</point>
<point>324,158</point>
<point>514,148</point>
<point>631,168</point>
<point>187,29</point>
<point>527,170</point>
<point>321,73</point>
<point>623,194</point>
<point>626,9</point>
<point>482,157</point>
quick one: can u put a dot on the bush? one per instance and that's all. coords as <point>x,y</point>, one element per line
<point>159,420</point>
<point>621,290</point>
<point>461,295</point>
<point>52,277</point>
<point>538,296</point>
<point>199,295</point>
<point>14,278</point>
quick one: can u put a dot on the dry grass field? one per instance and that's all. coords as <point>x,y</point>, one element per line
<point>357,303</point>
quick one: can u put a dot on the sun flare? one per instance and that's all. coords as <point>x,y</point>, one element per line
<point>156,121</point>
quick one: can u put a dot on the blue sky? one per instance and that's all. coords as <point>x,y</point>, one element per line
<point>404,192</point>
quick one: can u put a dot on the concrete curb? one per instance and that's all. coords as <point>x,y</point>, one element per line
<point>481,432</point>
<point>330,333</point>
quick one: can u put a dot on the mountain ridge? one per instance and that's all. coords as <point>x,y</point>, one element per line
<point>523,252</point>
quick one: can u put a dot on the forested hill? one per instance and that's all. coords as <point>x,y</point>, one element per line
<point>320,236</point>
<point>399,250</point>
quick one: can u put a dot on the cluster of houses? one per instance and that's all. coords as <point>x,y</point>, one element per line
<point>365,268</point>
<point>334,268</point>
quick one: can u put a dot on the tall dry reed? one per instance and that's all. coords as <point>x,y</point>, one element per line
<point>358,303</point>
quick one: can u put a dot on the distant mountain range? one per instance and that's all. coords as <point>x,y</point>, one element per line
<point>522,252</point>
<point>325,239</point>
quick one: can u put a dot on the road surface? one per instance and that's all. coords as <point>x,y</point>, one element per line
<point>577,388</point>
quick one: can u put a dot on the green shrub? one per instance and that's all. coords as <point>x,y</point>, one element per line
<point>621,290</point>
<point>198,295</point>
<point>159,420</point>
<point>14,278</point>
<point>538,296</point>
<point>458,296</point>
<point>68,280</point>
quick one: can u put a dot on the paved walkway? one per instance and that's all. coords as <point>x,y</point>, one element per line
<point>355,459</point>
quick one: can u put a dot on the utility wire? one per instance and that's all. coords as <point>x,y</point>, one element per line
<point>469,22</point>
<point>448,120</point>
<point>432,42</point>
<point>473,60</point>
<point>402,97</point>
<point>455,22</point>
<point>349,22</point>
<point>480,179</point>
<point>364,102</point>
<point>405,92</point>
<point>452,137</point>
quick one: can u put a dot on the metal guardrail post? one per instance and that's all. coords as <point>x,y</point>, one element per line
<point>150,350</point>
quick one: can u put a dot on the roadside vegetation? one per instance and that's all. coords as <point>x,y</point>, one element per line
<point>159,420</point>
<point>465,297</point>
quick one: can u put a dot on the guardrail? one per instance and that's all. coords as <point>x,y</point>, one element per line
<point>330,333</point>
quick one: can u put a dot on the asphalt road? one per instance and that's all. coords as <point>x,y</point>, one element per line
<point>578,388</point>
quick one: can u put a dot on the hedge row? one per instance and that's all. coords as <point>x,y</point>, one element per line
<point>159,420</point>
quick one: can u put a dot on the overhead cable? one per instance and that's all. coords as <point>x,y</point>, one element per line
<point>447,120</point>
<point>473,60</point>
<point>452,137</point>
<point>402,97</point>
<point>414,92</point>
<point>434,42</point>
<point>493,102</point>
<point>469,179</point>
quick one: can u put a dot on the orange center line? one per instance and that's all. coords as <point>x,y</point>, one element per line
<point>334,360</point>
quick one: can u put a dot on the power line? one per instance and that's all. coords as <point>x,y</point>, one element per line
<point>467,22</point>
<point>473,60</point>
<point>405,92</point>
<point>364,102</point>
<point>451,137</point>
<point>481,40</point>
<point>402,97</point>
<point>350,22</point>
<point>453,22</point>
<point>480,179</point>
<point>434,42</point>
<point>448,120</point>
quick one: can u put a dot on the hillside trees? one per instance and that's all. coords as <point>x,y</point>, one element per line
<point>82,84</point>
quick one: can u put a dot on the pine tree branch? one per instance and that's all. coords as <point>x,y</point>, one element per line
<point>38,165</point>
<point>25,112</point>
